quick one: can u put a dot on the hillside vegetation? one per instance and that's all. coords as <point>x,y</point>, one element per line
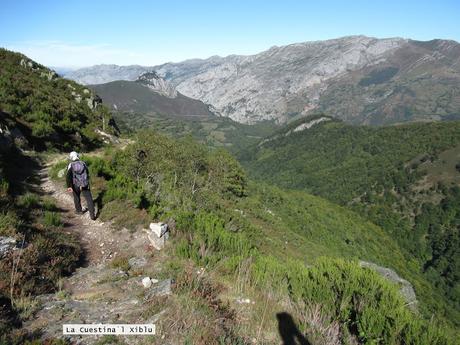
<point>264,237</point>
<point>48,110</point>
<point>391,175</point>
<point>212,131</point>
<point>38,111</point>
<point>294,254</point>
<point>343,162</point>
<point>44,253</point>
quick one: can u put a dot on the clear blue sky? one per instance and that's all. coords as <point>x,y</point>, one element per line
<point>81,33</point>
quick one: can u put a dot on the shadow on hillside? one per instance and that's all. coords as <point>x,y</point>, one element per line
<point>98,203</point>
<point>289,333</point>
<point>22,172</point>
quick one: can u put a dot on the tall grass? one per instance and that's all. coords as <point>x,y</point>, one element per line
<point>52,219</point>
<point>28,200</point>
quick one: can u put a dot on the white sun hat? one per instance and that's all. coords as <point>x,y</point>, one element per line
<point>73,156</point>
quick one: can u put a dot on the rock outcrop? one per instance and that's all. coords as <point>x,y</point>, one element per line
<point>7,244</point>
<point>405,288</point>
<point>359,79</point>
<point>157,84</point>
<point>158,234</point>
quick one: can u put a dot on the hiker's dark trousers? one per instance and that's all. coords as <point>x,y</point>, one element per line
<point>89,200</point>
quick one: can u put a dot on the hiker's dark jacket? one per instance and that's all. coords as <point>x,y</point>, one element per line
<point>69,176</point>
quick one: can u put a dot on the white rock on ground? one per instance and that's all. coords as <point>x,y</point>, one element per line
<point>6,245</point>
<point>146,282</point>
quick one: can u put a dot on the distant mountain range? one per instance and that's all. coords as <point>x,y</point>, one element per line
<point>359,79</point>
<point>100,74</point>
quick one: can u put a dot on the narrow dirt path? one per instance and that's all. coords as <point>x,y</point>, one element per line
<point>97,237</point>
<point>99,292</point>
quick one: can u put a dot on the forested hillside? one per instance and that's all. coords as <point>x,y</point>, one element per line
<point>403,178</point>
<point>212,131</point>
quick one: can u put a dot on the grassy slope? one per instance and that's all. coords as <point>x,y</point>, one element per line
<point>294,224</point>
<point>51,111</point>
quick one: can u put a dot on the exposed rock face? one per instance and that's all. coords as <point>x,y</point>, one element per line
<point>162,288</point>
<point>406,289</point>
<point>6,245</point>
<point>158,234</point>
<point>44,72</point>
<point>359,79</point>
<point>263,86</point>
<point>308,125</point>
<point>157,84</point>
<point>106,137</point>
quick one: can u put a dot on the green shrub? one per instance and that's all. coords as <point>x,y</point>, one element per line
<point>98,166</point>
<point>52,219</point>
<point>8,223</point>
<point>28,200</point>
<point>120,187</point>
<point>48,108</point>
<point>54,171</point>
<point>364,304</point>
<point>120,262</point>
<point>211,242</point>
<point>49,204</point>
<point>4,187</point>
<point>42,129</point>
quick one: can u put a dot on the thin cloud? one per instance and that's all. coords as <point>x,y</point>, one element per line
<point>56,53</point>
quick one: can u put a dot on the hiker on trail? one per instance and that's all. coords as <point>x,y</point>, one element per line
<point>77,179</point>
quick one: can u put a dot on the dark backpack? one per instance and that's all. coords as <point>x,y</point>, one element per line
<point>80,177</point>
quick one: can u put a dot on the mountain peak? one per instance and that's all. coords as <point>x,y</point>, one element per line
<point>154,82</point>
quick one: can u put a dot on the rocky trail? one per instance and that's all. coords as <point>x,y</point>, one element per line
<point>100,291</point>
